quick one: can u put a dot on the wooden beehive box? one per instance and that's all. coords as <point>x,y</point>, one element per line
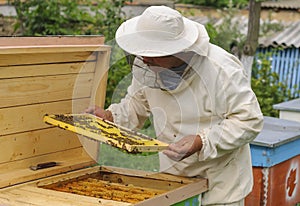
<point>47,75</point>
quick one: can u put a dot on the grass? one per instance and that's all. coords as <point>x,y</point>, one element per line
<point>111,156</point>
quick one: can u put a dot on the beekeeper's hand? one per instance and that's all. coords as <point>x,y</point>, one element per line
<point>184,148</point>
<point>99,112</point>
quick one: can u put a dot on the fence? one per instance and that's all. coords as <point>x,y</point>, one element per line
<point>286,63</point>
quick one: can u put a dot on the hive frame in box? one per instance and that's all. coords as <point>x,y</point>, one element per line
<point>177,188</point>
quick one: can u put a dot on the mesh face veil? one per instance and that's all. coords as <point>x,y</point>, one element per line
<point>161,78</point>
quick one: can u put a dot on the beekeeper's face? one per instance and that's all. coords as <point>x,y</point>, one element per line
<point>165,62</point>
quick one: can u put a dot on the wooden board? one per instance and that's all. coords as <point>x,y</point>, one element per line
<point>107,132</point>
<point>31,195</point>
<point>53,40</point>
<point>47,69</point>
<point>30,117</point>
<point>40,58</point>
<point>29,90</point>
<point>19,171</point>
<point>35,143</point>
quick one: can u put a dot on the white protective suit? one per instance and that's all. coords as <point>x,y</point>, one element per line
<point>214,99</point>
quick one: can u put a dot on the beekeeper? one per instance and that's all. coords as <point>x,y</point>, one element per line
<point>200,99</point>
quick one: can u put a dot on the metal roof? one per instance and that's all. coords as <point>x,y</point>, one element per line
<point>292,105</point>
<point>288,37</point>
<point>277,132</point>
<point>281,4</point>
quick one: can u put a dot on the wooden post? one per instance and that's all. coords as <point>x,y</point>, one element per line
<point>252,36</point>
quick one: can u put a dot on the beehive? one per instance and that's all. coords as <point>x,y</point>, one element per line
<point>50,75</point>
<point>276,164</point>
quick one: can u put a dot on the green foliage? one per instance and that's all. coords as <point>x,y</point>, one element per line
<point>228,32</point>
<point>266,85</point>
<point>116,87</point>
<point>69,17</point>
<point>37,17</point>
<point>108,16</point>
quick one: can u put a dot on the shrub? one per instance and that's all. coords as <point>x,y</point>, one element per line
<point>266,85</point>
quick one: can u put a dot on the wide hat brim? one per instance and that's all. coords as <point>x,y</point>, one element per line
<point>149,44</point>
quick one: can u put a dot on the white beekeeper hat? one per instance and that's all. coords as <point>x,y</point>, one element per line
<point>159,31</point>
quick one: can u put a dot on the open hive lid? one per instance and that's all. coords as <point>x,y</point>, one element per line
<point>41,75</point>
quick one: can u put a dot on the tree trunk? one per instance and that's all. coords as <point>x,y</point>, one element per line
<point>252,36</point>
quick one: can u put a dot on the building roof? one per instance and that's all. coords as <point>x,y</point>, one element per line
<point>281,4</point>
<point>288,37</point>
